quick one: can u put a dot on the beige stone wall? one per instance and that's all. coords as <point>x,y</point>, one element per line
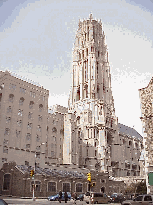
<point>146,98</point>
<point>23,120</point>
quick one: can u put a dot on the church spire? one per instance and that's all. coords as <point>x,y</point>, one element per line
<point>90,16</point>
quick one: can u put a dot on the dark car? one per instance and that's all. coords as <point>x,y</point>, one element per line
<point>2,202</point>
<point>117,198</point>
<point>56,197</point>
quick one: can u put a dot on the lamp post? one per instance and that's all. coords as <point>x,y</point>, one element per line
<point>34,174</point>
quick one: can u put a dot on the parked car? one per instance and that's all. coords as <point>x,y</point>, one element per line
<point>141,199</point>
<point>117,198</point>
<point>96,198</point>
<point>53,198</point>
<point>80,197</point>
<point>2,202</point>
<point>56,197</point>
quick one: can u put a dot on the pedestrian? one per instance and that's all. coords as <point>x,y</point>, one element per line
<point>74,197</point>
<point>65,196</point>
<point>60,196</point>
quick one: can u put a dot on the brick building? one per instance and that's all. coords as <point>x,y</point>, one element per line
<point>15,180</point>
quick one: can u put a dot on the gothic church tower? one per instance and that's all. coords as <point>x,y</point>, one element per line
<point>89,136</point>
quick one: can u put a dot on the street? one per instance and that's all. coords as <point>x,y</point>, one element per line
<point>43,201</point>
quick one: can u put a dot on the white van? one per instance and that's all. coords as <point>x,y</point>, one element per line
<point>96,198</point>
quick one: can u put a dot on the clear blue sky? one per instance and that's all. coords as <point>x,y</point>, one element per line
<point>37,37</point>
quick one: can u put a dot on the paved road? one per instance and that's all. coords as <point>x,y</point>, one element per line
<point>43,201</point>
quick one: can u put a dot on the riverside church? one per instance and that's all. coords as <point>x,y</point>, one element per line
<point>85,135</point>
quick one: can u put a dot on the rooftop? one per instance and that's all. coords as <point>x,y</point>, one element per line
<point>22,78</point>
<point>52,172</point>
<point>129,131</point>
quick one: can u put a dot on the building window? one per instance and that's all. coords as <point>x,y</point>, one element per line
<point>87,51</point>
<point>40,107</point>
<point>52,186</point>
<point>26,163</point>
<point>54,129</point>
<point>66,187</point>
<point>95,153</point>
<point>4,160</point>
<point>11,97</point>
<point>27,146</point>
<point>52,154</point>
<point>37,185</point>
<point>7,131</point>
<point>29,126</point>
<point>9,109</point>
<point>38,155</point>
<point>30,115</point>
<point>37,138</point>
<point>18,133</point>
<point>130,143</point>
<point>2,86</point>
<point>8,119</point>
<point>6,182</point>
<point>20,112</point>
<point>31,104</point>
<point>39,128</point>
<point>79,187</point>
<point>38,148</point>
<point>42,97</point>
<point>22,90</point>
<point>40,118</point>
<point>95,144</point>
<point>19,123</point>
<point>87,152</point>
<point>28,136</point>
<point>5,142</point>
<point>21,101</point>
<point>5,149</point>
<point>12,86</point>
<point>60,146</point>
<point>32,94</point>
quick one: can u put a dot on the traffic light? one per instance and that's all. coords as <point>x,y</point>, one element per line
<point>94,184</point>
<point>89,177</point>
<point>31,173</point>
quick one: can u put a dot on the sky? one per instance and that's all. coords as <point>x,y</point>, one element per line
<point>37,39</point>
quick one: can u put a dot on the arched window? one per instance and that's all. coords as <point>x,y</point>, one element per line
<point>40,107</point>
<point>66,187</point>
<point>79,187</point>
<point>54,129</point>
<point>31,104</point>
<point>62,132</point>
<point>37,185</point>
<point>52,186</point>
<point>11,97</point>
<point>6,182</point>
<point>130,143</point>
<point>21,101</point>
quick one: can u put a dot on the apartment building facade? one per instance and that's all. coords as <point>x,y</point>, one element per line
<point>23,120</point>
<point>146,98</point>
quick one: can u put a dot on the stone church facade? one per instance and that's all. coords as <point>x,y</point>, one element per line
<point>85,135</point>
<point>93,138</point>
